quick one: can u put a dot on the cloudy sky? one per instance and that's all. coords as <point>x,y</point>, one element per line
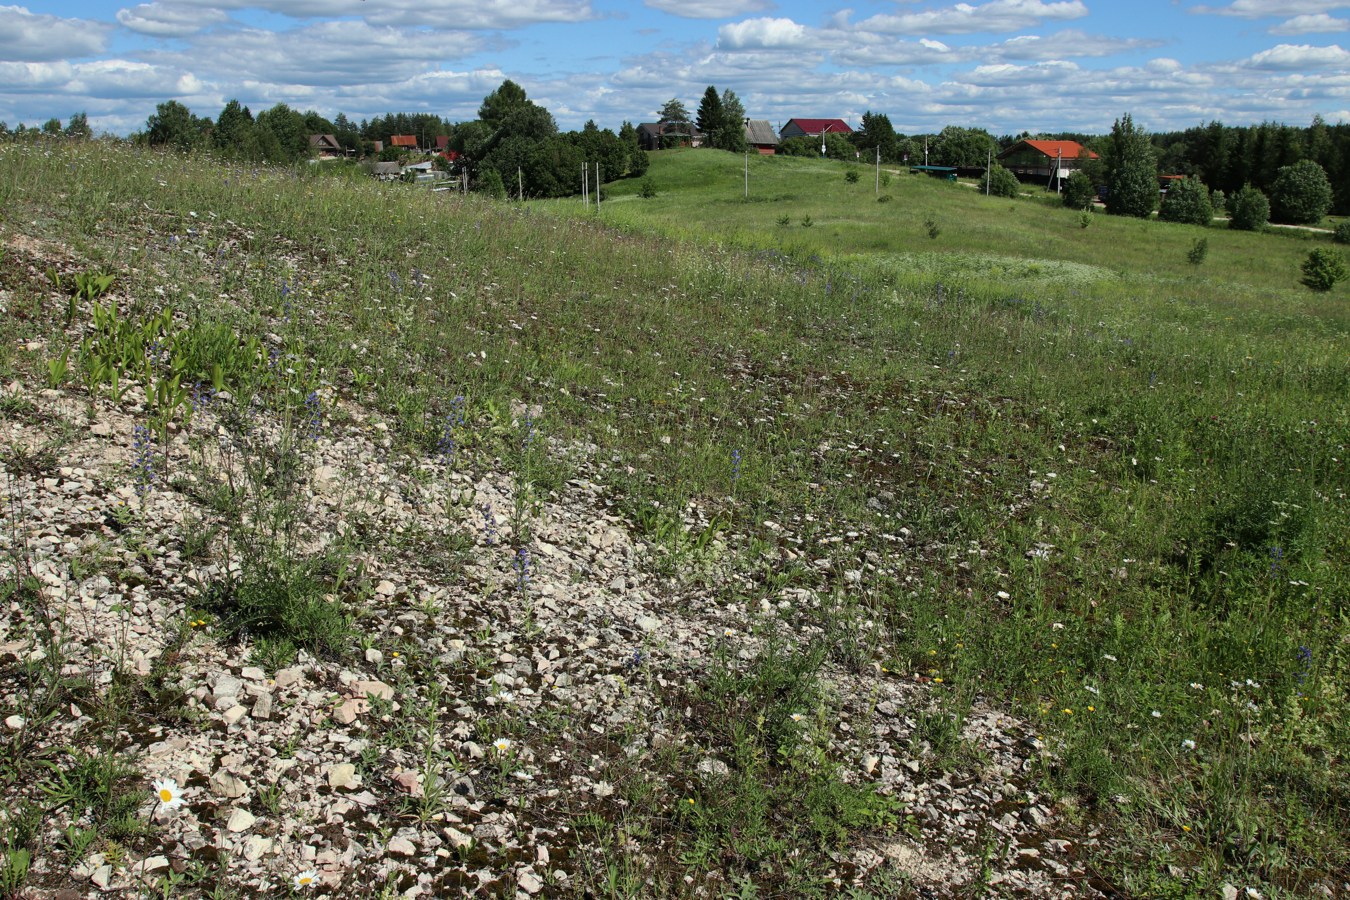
<point>1005,65</point>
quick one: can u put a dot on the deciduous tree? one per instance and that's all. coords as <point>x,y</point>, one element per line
<point>1131,171</point>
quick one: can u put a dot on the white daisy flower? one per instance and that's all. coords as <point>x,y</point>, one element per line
<point>167,792</point>
<point>307,878</point>
<point>502,745</point>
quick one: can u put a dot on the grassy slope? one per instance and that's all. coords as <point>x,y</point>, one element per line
<point>1100,437</point>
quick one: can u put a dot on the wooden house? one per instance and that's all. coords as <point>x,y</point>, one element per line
<point>664,135</point>
<point>1044,160</point>
<point>813,128</point>
<point>325,146</point>
<point>759,134</point>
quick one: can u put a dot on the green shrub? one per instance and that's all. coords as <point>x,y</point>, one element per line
<point>648,190</point>
<point>490,183</point>
<point>1187,202</point>
<point>1084,219</point>
<point>1248,209</point>
<point>1323,268</point>
<point>1301,194</point>
<point>1079,192</point>
<point>1199,250</point>
<point>851,176</point>
<point>1218,201</point>
<point>999,182</point>
<point>1342,233</point>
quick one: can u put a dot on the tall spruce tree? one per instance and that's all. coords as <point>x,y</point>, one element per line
<point>710,111</point>
<point>1131,171</point>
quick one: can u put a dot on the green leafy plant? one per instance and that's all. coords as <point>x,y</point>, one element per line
<point>1187,201</point>
<point>851,176</point>
<point>1199,250</point>
<point>1301,194</point>
<point>1342,233</point>
<point>1000,182</point>
<point>1079,192</point>
<point>1324,269</point>
<point>1248,209</point>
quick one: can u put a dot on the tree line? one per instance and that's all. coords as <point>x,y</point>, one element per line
<point>517,142</point>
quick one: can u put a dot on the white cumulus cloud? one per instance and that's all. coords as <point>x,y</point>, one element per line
<point>1300,57</point>
<point>994,17</point>
<point>169,19</point>
<point>325,53</point>
<point>709,9</point>
<point>761,34</point>
<point>29,37</point>
<point>1260,9</point>
<point>1320,23</point>
<point>448,14</point>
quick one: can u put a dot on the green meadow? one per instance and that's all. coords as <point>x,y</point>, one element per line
<point>1085,480</point>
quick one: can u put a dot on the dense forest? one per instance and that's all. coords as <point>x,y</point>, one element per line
<point>517,142</point>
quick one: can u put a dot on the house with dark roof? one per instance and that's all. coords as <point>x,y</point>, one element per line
<point>325,146</point>
<point>1044,160</point>
<point>760,135</point>
<point>664,135</point>
<point>390,170</point>
<point>813,128</point>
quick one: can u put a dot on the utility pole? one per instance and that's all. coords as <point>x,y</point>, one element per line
<point>988,162</point>
<point>520,186</point>
<point>747,174</point>
<point>925,149</point>
<point>585,187</point>
<point>597,187</point>
<point>878,188</point>
<point>1059,166</point>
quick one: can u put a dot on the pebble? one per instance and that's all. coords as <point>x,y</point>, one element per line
<point>240,820</point>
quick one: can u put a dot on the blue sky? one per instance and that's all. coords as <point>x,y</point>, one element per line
<point>1004,65</point>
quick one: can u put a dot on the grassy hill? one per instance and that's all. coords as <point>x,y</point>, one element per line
<point>917,467</point>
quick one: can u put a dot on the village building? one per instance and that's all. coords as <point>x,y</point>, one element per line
<point>760,136</point>
<point>665,135</point>
<point>813,128</point>
<point>1044,161</point>
<point>325,146</point>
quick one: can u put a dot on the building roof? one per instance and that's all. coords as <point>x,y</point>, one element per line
<point>817,126</point>
<point>387,167</point>
<point>759,131</point>
<point>442,141</point>
<point>324,142</point>
<point>1052,149</point>
<point>403,140</point>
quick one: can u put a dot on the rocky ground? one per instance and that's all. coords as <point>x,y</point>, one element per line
<point>517,712</point>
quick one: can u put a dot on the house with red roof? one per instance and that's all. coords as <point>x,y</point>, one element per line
<point>403,140</point>
<point>1044,160</point>
<point>813,128</point>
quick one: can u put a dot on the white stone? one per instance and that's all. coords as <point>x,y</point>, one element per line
<point>343,777</point>
<point>401,846</point>
<point>240,820</point>
<point>228,785</point>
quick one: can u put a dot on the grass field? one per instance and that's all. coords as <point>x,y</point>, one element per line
<point>1084,479</point>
